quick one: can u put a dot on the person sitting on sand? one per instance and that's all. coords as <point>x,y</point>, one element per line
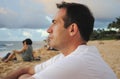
<point>26,52</point>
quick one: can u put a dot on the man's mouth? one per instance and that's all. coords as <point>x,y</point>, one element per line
<point>49,37</point>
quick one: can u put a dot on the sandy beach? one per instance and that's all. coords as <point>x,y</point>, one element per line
<point>109,50</point>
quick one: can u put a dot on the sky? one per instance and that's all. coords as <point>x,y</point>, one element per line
<point>21,19</point>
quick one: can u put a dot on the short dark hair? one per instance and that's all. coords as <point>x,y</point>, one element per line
<point>28,41</point>
<point>79,14</point>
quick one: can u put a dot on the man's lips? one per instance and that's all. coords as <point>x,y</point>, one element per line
<point>49,38</point>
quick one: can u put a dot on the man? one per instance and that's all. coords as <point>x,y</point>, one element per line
<point>69,34</point>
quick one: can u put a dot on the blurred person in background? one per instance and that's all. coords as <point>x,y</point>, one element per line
<point>25,52</point>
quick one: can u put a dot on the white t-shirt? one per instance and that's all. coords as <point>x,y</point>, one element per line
<point>83,63</point>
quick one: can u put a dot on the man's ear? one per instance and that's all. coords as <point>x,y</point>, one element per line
<point>73,29</point>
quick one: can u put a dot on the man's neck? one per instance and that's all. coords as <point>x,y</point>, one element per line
<point>69,49</point>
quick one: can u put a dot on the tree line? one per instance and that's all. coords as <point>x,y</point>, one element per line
<point>102,34</point>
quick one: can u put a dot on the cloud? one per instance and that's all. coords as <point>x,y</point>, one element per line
<point>36,14</point>
<point>27,34</point>
<point>8,18</point>
<point>29,15</point>
<point>20,34</point>
<point>49,19</point>
<point>3,11</point>
<point>3,29</point>
<point>50,6</point>
<point>104,9</point>
<point>31,18</point>
<point>43,32</point>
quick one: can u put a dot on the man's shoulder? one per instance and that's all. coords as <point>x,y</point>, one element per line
<point>57,57</point>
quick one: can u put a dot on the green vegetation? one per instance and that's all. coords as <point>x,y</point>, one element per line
<point>101,34</point>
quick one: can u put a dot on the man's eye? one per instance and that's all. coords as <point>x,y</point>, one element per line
<point>53,21</point>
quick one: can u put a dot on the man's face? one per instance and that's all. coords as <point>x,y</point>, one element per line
<point>58,35</point>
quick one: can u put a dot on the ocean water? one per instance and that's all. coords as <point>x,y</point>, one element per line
<point>8,46</point>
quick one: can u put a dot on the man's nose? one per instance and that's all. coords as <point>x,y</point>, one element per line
<point>49,30</point>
